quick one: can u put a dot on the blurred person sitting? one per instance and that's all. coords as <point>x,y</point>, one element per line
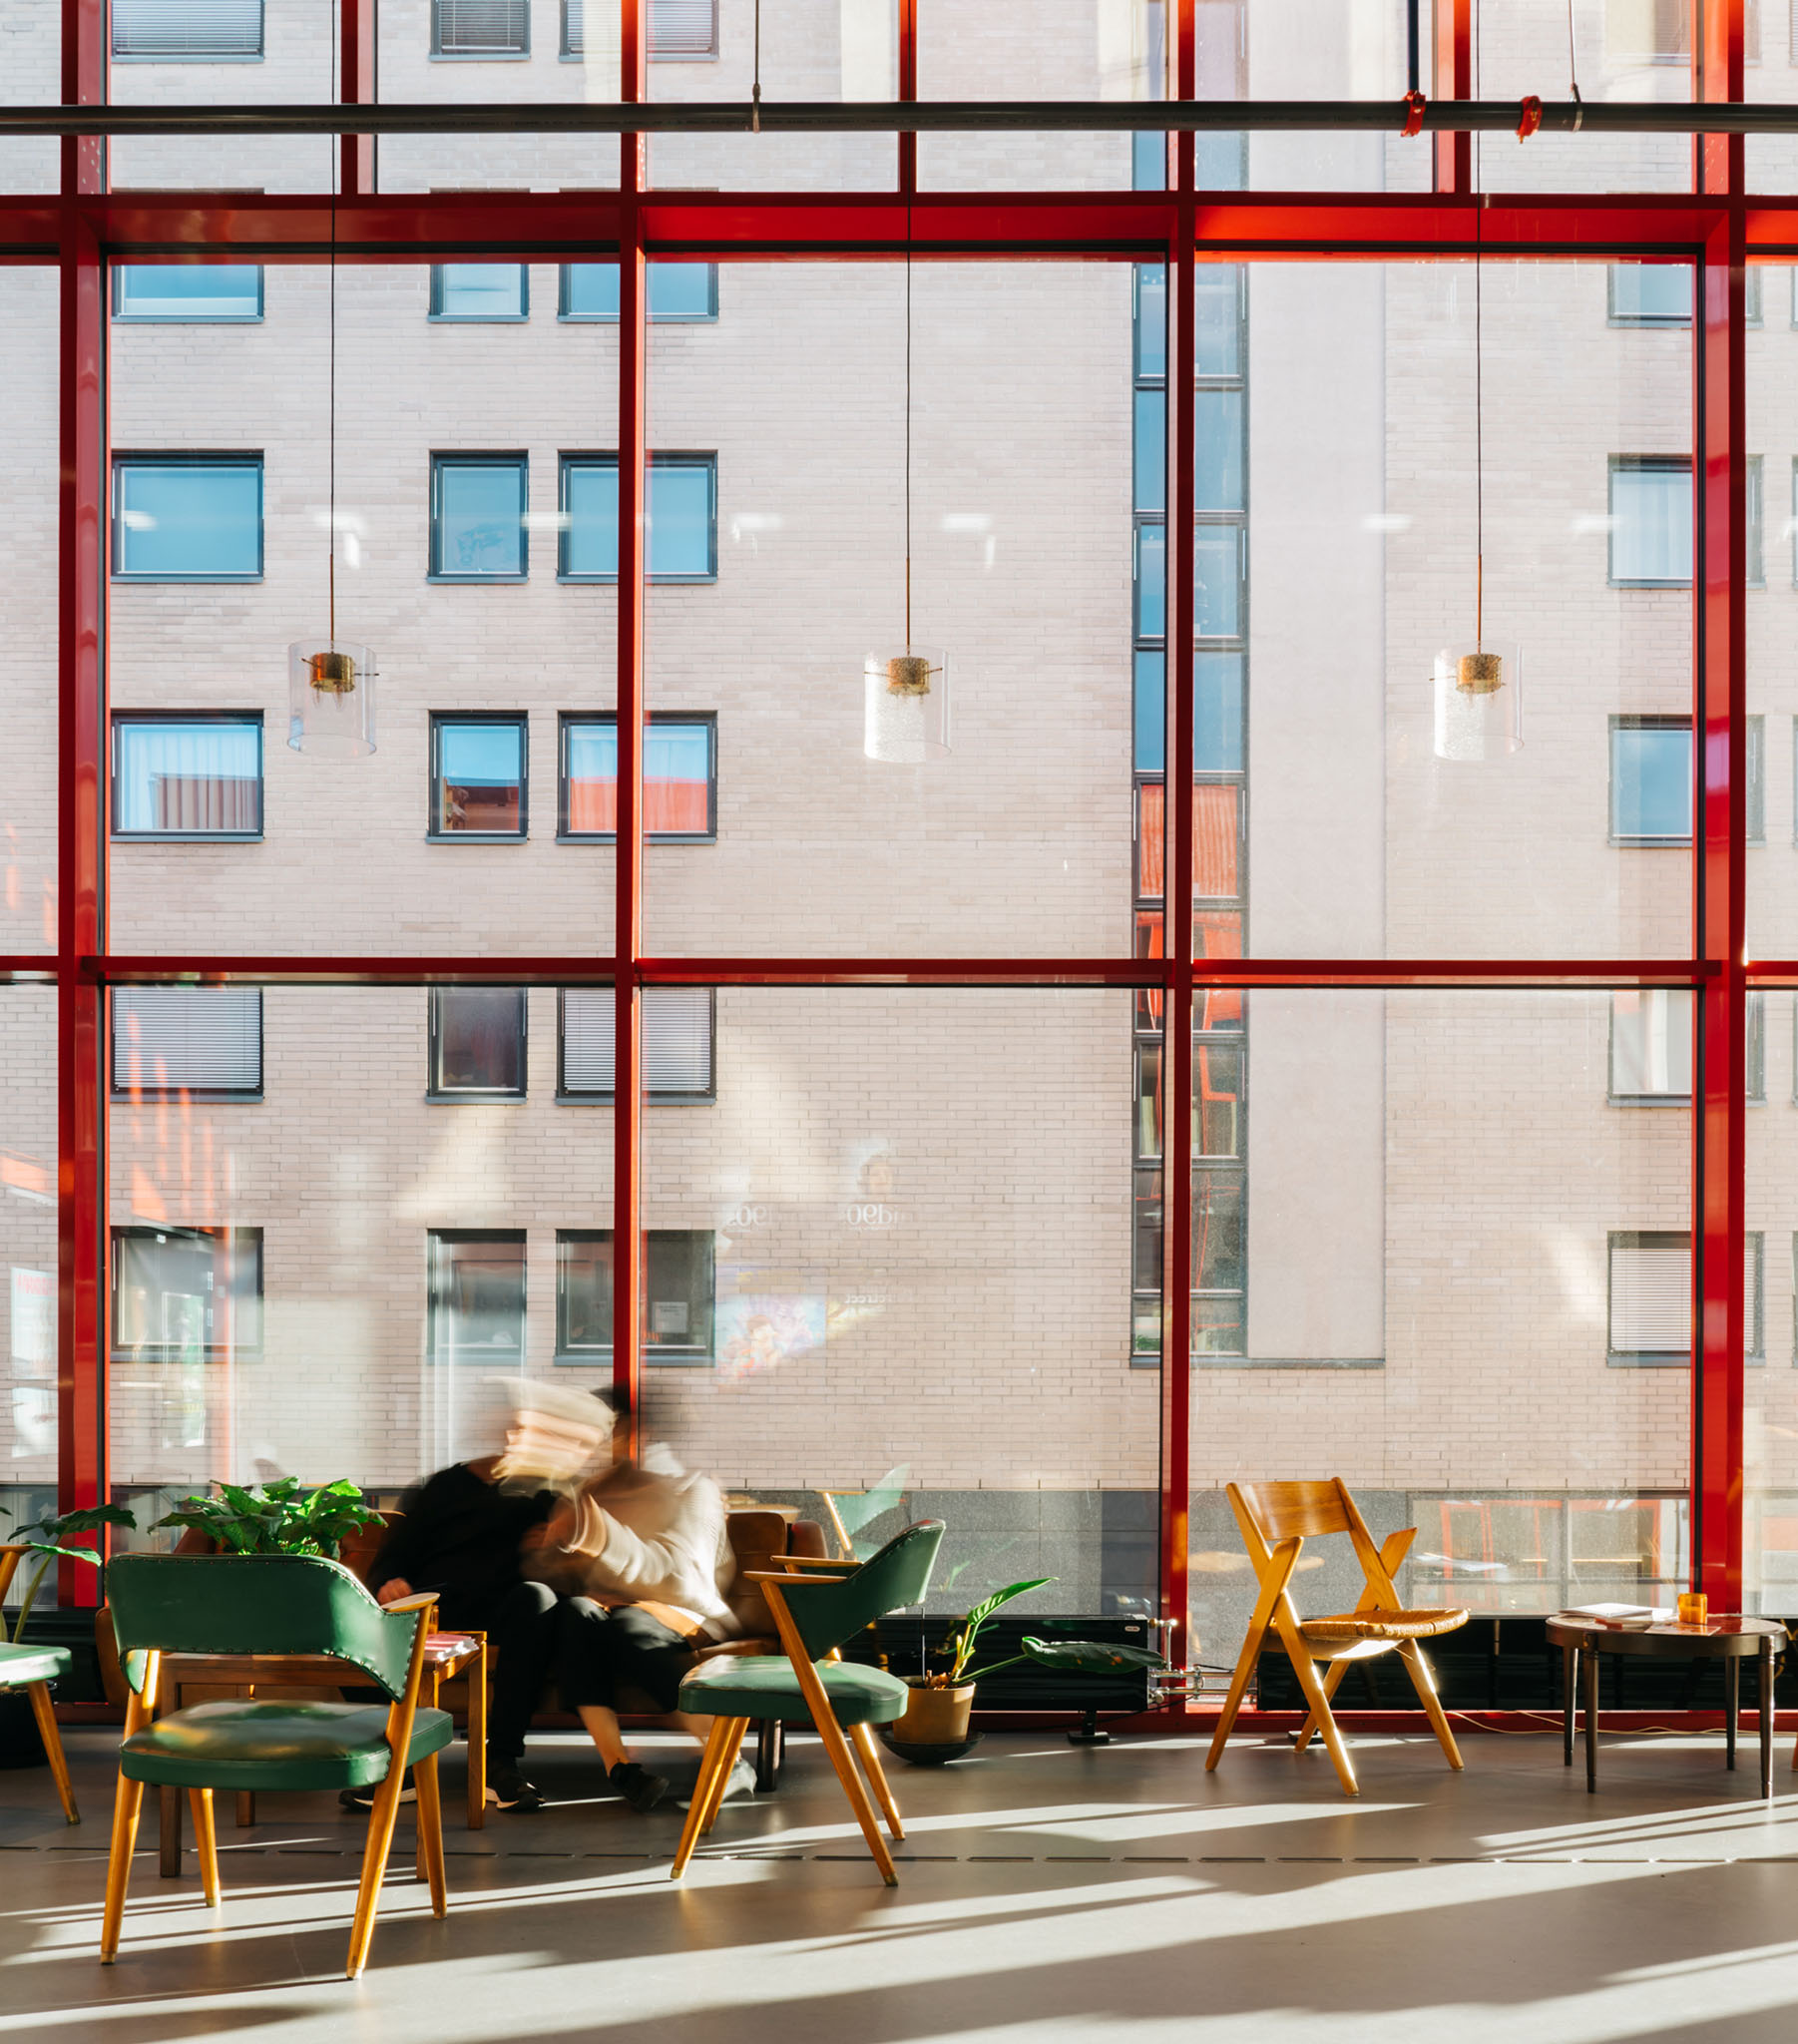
<point>461,1536</point>
<point>642,1552</point>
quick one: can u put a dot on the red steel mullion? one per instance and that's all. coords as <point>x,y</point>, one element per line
<point>356,60</point>
<point>1718,1135</point>
<point>633,458</point>
<point>908,89</point>
<point>1454,80</point>
<point>1177,909</point>
<point>82,1480</point>
<point>1717,74</point>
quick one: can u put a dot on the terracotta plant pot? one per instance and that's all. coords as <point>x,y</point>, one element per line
<point>935,1716</point>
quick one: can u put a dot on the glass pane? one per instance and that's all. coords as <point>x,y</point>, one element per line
<point>188,779</point>
<point>1650,294</point>
<point>30,468</point>
<point>472,643</point>
<point>589,501</point>
<point>346,1265</point>
<point>28,1168</point>
<point>1217,477</point>
<point>480,290</point>
<point>680,521</point>
<point>188,521</point>
<point>1012,573</point>
<point>1551,516</point>
<point>853,1246</point>
<point>187,291</point>
<point>480,1041</point>
<point>1550,1469</point>
<point>676,778</point>
<point>479,525</point>
<point>480,785</point>
<point>1652,783</point>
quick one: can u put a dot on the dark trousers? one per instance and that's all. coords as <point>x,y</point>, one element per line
<point>524,1625</point>
<point>602,1652</point>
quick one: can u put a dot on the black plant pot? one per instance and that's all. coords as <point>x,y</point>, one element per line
<point>20,1744</point>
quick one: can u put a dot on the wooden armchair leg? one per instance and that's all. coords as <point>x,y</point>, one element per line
<point>127,1807</point>
<point>381,1820</point>
<point>841,1759</point>
<point>44,1712</point>
<point>720,1780</point>
<point>205,1844</point>
<point>1332,1682</point>
<point>430,1832</point>
<point>1424,1681</point>
<point>246,1809</point>
<point>770,1746</point>
<point>868,1753</point>
<point>1232,1703</point>
<point>1307,1670</point>
<point>691,1831</point>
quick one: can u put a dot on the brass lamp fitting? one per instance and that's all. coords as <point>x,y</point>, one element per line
<point>907,674</point>
<point>1480,674</point>
<point>334,674</point>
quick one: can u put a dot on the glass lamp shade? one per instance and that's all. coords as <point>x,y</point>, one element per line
<point>907,701</point>
<point>1479,701</point>
<point>331,698</point>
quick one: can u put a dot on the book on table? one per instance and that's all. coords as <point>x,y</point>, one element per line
<point>1625,1617</point>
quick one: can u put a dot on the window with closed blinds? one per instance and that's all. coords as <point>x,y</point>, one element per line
<point>481,28</point>
<point>678,1030</point>
<point>678,28</point>
<point>1651,1296</point>
<point>204,1040</point>
<point>187,28</point>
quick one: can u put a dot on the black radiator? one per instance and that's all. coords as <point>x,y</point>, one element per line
<point>901,1643</point>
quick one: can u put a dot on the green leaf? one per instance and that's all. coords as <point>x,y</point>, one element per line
<point>1089,1657</point>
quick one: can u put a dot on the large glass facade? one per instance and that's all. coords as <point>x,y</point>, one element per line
<point>929,1192</point>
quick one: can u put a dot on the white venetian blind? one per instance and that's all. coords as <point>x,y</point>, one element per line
<point>1651,1293</point>
<point>676,1039</point>
<point>197,1038</point>
<point>471,27</point>
<point>678,28</point>
<point>187,28</point>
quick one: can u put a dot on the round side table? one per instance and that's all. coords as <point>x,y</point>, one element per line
<point>1729,1639</point>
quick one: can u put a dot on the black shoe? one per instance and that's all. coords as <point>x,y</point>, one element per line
<point>507,1787</point>
<point>363,1798</point>
<point>640,1788</point>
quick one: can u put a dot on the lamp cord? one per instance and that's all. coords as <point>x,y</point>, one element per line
<point>755,88</point>
<point>332,396</point>
<point>1479,440</point>
<point>908,426</point>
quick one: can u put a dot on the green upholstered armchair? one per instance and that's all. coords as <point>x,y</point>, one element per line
<point>34,1668</point>
<point>815,1613</point>
<point>307,1619</point>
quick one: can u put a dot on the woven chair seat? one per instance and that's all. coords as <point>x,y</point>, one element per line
<point>1381,1625</point>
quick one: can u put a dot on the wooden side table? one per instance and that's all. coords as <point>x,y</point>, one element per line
<point>446,1654</point>
<point>1729,1639</point>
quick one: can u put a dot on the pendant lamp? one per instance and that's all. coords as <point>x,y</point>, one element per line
<point>906,695</point>
<point>330,680</point>
<point>1479,688</point>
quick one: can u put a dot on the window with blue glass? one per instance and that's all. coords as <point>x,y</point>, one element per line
<point>192,293</point>
<point>478,504</point>
<point>1650,521</point>
<point>480,291</point>
<point>187,517</point>
<point>480,765</point>
<point>1651,781</point>
<point>1650,294</point>
<point>188,775</point>
<point>682,517</point>
<point>678,292</point>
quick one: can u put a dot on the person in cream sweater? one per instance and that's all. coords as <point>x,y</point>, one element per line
<point>641,1559</point>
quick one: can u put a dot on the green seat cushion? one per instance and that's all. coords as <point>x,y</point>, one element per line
<point>245,1743</point>
<point>764,1686</point>
<point>20,1665</point>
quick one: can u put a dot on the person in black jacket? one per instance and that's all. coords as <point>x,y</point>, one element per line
<point>460,1536</point>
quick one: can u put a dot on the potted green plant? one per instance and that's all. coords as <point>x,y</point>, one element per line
<point>937,1712</point>
<point>47,1538</point>
<point>276,1518</point>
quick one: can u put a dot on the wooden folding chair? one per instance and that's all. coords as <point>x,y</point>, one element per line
<point>1276,1519</point>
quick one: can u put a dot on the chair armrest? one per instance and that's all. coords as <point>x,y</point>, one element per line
<point>789,1582</point>
<point>421,1600</point>
<point>721,1648</point>
<point>815,1561</point>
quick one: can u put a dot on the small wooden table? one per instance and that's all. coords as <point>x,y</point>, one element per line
<point>446,1654</point>
<point>1729,1639</point>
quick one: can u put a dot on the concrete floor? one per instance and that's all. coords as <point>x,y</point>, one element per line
<point>1047,1896</point>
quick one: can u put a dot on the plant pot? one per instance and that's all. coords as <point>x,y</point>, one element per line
<point>934,1716</point>
<point>20,1745</point>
